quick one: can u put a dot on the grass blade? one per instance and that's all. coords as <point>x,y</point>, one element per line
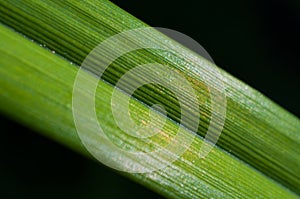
<point>36,89</point>
<point>257,131</point>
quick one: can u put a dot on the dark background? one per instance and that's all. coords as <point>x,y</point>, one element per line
<point>256,41</point>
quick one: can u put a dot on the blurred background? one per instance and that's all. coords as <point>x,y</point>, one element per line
<point>255,41</point>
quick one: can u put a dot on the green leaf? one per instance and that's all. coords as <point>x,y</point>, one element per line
<point>36,89</point>
<point>257,131</point>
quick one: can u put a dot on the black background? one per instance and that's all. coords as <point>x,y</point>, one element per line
<point>256,41</point>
